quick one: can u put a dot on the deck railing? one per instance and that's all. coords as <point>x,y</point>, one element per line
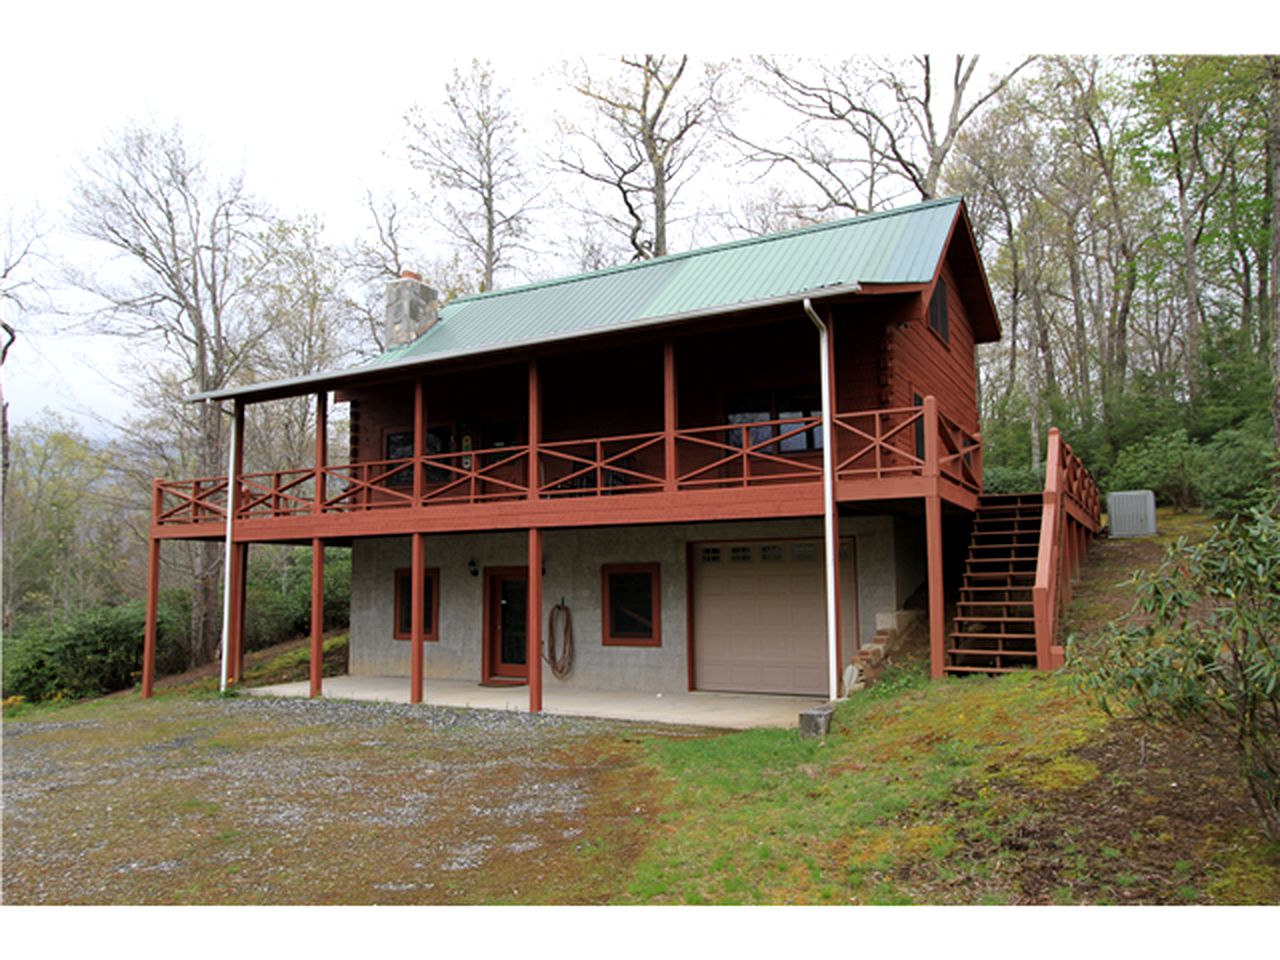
<point>1064,533</point>
<point>870,445</point>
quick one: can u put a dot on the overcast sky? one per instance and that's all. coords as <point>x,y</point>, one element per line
<point>308,99</point>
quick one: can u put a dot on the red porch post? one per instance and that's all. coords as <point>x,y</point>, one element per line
<point>669,413</point>
<point>317,615</point>
<point>533,623</point>
<point>153,597</point>
<point>419,440</point>
<point>535,429</point>
<point>933,535</point>
<point>937,605</point>
<point>417,628</point>
<point>235,635</point>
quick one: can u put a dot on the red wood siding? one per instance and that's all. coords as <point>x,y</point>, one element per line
<point>918,362</point>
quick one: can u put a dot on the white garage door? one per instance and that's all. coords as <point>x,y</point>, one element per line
<point>760,615</point>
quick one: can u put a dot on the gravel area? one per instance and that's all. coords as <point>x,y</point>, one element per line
<point>292,801</point>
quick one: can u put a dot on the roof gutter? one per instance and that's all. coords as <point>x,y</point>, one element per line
<point>329,379</point>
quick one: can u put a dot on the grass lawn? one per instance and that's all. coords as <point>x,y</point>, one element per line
<point>977,791</point>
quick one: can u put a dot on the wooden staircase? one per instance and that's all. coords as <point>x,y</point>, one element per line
<point>995,627</point>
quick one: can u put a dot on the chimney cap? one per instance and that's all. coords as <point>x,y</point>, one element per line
<point>410,275</point>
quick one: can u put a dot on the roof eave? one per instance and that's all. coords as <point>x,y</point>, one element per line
<point>276,389</point>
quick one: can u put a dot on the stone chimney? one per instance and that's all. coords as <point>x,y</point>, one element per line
<point>411,309</point>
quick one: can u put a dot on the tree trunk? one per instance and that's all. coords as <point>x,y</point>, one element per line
<point>1273,167</point>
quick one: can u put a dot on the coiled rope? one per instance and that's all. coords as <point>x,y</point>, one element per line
<point>560,655</point>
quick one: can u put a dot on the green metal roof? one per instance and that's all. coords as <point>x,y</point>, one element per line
<point>895,246</point>
<point>901,246</point>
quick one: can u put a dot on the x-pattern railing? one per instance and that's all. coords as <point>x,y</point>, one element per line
<point>748,453</point>
<point>599,466</point>
<point>191,501</point>
<point>277,493</point>
<point>869,445</point>
<point>474,476</point>
<point>878,444</point>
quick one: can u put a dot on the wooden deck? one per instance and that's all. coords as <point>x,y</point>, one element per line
<point>768,468</point>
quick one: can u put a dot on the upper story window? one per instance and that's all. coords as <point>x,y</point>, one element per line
<point>782,403</point>
<point>938,311</point>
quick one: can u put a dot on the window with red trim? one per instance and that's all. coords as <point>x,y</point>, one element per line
<point>631,612</point>
<point>403,624</point>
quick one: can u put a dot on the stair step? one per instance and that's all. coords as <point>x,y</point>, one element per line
<point>965,652</point>
<point>951,668</point>
<point>984,618</point>
<point>994,636</point>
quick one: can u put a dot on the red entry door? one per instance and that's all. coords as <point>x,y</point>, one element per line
<point>507,606</point>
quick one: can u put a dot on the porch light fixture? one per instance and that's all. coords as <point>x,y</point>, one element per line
<point>472,568</point>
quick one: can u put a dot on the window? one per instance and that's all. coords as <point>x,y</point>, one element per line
<point>632,615</point>
<point>403,629</point>
<point>398,445</point>
<point>783,403</point>
<point>938,311</point>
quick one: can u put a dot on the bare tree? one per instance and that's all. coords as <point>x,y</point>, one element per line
<point>871,130</point>
<point>471,155</point>
<point>185,239</point>
<point>646,128</point>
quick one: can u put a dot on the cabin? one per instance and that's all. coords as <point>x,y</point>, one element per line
<point>731,467</point>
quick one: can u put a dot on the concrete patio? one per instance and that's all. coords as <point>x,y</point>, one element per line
<point>729,711</point>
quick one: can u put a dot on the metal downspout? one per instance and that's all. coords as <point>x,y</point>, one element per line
<point>828,507</point>
<point>226,562</point>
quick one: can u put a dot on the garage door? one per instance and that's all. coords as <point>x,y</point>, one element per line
<point>760,615</point>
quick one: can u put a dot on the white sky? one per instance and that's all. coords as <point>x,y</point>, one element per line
<point>308,99</point>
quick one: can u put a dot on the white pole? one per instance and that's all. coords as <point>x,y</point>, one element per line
<point>226,564</point>
<point>828,507</point>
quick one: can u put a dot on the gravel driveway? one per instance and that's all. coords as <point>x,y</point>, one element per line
<point>291,801</point>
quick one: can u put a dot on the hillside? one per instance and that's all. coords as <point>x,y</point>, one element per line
<point>1007,790</point>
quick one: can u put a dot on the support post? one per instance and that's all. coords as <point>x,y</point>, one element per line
<point>535,429</point>
<point>417,628</point>
<point>322,449</point>
<point>153,598</point>
<point>235,645</point>
<point>419,441</point>
<point>317,615</point>
<point>533,623</point>
<point>669,413</point>
<point>831,542</point>
<point>937,603</point>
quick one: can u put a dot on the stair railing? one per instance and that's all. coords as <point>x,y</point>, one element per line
<point>1044,594</point>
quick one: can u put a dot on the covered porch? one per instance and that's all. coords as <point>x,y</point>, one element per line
<point>729,711</point>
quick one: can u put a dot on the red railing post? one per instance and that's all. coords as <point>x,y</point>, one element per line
<point>317,616</point>
<point>669,415</point>
<point>931,458</point>
<point>1044,593</point>
<point>322,449</point>
<point>535,429</point>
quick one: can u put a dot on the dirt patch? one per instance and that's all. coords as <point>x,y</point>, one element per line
<point>1164,821</point>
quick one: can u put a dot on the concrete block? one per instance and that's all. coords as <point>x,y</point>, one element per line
<point>816,722</point>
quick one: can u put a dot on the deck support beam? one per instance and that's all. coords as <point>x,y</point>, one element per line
<point>153,600</point>
<point>533,625</point>
<point>238,581</point>
<point>417,574</point>
<point>317,616</point>
<point>937,602</point>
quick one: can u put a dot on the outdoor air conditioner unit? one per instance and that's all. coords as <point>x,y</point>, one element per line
<point>1132,513</point>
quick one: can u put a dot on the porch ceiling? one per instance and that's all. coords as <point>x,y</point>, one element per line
<point>730,711</point>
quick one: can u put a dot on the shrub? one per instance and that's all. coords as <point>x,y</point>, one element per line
<point>97,652</point>
<point>1167,463</point>
<point>1011,479</point>
<point>1236,473</point>
<point>1208,660</point>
